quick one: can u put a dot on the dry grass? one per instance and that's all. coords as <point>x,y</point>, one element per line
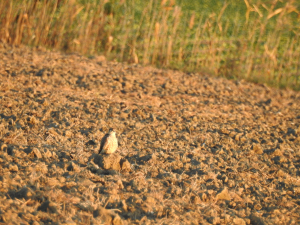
<point>260,43</point>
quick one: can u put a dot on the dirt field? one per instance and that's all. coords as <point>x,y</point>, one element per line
<point>192,149</point>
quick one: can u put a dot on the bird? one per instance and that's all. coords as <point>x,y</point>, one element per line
<point>109,143</point>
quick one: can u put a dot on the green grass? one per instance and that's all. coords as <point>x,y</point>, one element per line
<point>253,40</point>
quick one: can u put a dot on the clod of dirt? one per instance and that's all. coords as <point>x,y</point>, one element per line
<point>36,153</point>
<point>112,162</point>
<point>239,221</point>
<point>47,206</point>
<point>257,149</point>
<point>223,195</point>
<point>73,167</point>
<point>13,168</point>
<point>255,220</point>
<point>106,216</point>
<point>25,193</point>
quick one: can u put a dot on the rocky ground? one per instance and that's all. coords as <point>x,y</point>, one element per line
<point>193,149</point>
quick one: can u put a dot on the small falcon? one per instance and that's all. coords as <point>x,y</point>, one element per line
<point>109,143</point>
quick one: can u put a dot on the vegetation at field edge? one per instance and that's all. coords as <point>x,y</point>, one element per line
<point>251,39</point>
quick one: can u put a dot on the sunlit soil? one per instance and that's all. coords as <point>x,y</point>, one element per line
<point>192,149</point>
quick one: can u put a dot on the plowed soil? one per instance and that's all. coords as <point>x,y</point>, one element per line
<point>193,149</point>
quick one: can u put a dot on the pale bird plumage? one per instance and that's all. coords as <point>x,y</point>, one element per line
<point>109,143</point>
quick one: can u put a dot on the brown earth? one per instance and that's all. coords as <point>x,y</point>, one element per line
<point>193,149</point>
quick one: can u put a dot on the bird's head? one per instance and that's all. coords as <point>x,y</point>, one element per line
<point>113,133</point>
